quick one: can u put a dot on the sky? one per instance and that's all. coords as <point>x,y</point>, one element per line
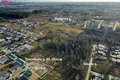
<point>73,0</point>
<point>65,0</point>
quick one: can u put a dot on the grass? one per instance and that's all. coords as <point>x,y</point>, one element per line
<point>58,26</point>
<point>118,26</point>
<point>53,75</point>
<point>68,29</point>
<point>2,23</point>
<point>54,27</point>
<point>33,55</point>
<point>95,25</point>
<point>1,36</point>
<point>13,27</point>
<point>46,27</point>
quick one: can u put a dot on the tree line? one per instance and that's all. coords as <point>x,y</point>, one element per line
<point>14,14</point>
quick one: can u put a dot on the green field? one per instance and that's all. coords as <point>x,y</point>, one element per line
<point>1,36</point>
<point>118,26</point>
<point>95,25</point>
<point>47,27</point>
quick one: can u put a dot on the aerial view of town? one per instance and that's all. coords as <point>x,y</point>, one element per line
<point>59,40</point>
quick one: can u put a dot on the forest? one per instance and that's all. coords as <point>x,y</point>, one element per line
<point>14,14</point>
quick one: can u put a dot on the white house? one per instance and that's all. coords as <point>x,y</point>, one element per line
<point>3,60</point>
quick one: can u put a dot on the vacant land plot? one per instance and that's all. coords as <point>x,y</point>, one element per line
<point>92,24</point>
<point>46,27</point>
<point>40,17</point>
<point>39,68</point>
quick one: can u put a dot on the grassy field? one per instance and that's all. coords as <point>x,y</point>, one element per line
<point>47,27</point>
<point>1,36</point>
<point>58,26</point>
<point>53,75</point>
<point>3,23</point>
<point>118,26</point>
<point>95,25</point>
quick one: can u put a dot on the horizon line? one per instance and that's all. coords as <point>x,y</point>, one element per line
<point>69,1</point>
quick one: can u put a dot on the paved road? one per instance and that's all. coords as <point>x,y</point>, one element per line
<point>90,63</point>
<point>115,26</point>
<point>110,77</point>
<point>100,24</point>
<point>85,24</point>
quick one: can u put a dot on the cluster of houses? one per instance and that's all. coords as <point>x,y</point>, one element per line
<point>25,75</point>
<point>11,37</point>
<point>9,62</point>
<point>109,25</point>
<point>90,23</point>
<point>102,52</point>
<point>25,23</point>
<point>98,76</point>
<point>14,42</point>
<point>17,48</point>
<point>115,54</point>
<point>12,63</point>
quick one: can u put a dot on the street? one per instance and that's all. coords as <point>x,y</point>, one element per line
<point>90,63</point>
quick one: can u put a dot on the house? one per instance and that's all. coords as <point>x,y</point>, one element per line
<point>101,46</point>
<point>29,47</point>
<point>4,75</point>
<point>3,60</point>
<point>24,75</point>
<point>101,53</point>
<point>2,54</point>
<point>2,40</point>
<point>115,54</point>
<point>20,62</point>
<point>100,58</point>
<point>12,56</point>
<point>6,51</point>
<point>101,49</point>
<point>17,60</point>
<point>115,60</point>
<point>111,25</point>
<point>97,76</point>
